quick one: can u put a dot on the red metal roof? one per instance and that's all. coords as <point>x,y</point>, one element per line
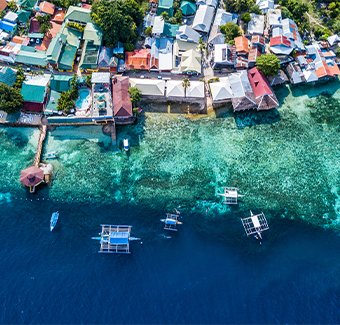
<point>259,83</point>
<point>253,54</point>
<point>122,106</point>
<point>242,44</point>
<point>278,40</point>
<point>47,7</point>
<point>258,39</point>
<point>138,59</point>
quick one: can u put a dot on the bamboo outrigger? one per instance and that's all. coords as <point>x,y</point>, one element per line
<point>255,224</point>
<point>171,222</point>
<point>115,239</point>
<point>230,195</point>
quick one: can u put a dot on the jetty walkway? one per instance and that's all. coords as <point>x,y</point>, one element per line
<point>42,137</point>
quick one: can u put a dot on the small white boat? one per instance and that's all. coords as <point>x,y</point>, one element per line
<point>126,144</point>
<point>51,155</point>
<point>54,219</point>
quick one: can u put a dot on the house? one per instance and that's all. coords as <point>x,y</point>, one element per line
<point>78,15</point>
<point>34,90</point>
<point>153,4</point>
<point>149,87</point>
<point>3,5</point>
<point>8,76</point>
<point>154,55</point>
<point>203,19</point>
<point>59,15</point>
<point>264,95</point>
<point>278,80</point>
<point>148,42</point>
<point>188,8</point>
<point>92,33</point>
<point>280,45</point>
<point>221,91</point>
<point>54,50</point>
<point>179,48</point>
<point>27,4</point>
<point>138,59</point>
<point>295,73</point>
<point>256,25</point>
<point>174,88</point>
<point>212,3</point>
<point>118,49</point>
<point>148,20</point>
<point>224,56</point>
<point>243,95</point>
<point>11,16</point>
<point>191,62</point>
<point>28,55</point>
<point>67,56</point>
<point>187,34</point>
<point>259,42</point>
<point>24,40</point>
<point>195,90</point>
<point>106,60</point>
<point>46,8</point>
<point>23,16</point>
<point>333,41</point>
<point>215,36</point>
<point>241,63</point>
<point>265,5</point>
<point>121,102</point>
<point>89,57</point>
<point>165,6</point>
<point>290,30</point>
<point>158,26</point>
<point>254,53</point>
<point>170,30</point>
<point>274,18</point>
<point>242,45</point>
<point>60,83</point>
<point>8,26</point>
<point>9,52</point>
<point>165,54</point>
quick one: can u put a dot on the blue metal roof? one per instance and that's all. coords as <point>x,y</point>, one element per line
<point>170,221</point>
<point>7,26</point>
<point>119,238</point>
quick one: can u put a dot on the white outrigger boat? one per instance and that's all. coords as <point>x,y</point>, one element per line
<point>51,155</point>
<point>171,222</point>
<point>126,144</point>
<point>54,220</point>
<point>230,195</point>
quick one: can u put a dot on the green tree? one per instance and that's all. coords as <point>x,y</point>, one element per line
<point>74,93</point>
<point>135,94</point>
<point>128,47</point>
<point>11,99</point>
<point>178,16</point>
<point>88,81</point>
<point>246,17</point>
<point>185,85</point>
<point>165,16</point>
<point>202,46</point>
<point>2,14</point>
<point>255,9</point>
<point>148,31</point>
<point>65,102</point>
<point>285,13</point>
<point>12,6</point>
<point>269,64</point>
<point>336,25</point>
<point>238,5</point>
<point>44,23</point>
<point>230,31</point>
<point>20,77</point>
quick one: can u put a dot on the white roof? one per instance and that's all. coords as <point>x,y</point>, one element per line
<point>187,34</point>
<point>310,75</point>
<point>277,31</point>
<point>221,90</point>
<point>274,17</point>
<point>11,16</point>
<point>196,89</point>
<point>212,3</point>
<point>191,61</point>
<point>158,25</point>
<point>38,80</point>
<point>203,18</point>
<point>256,25</point>
<point>239,83</point>
<point>264,5</point>
<point>281,49</point>
<point>333,39</point>
<point>174,88</point>
<point>165,61</point>
<point>100,77</point>
<point>222,17</point>
<point>221,53</point>
<point>152,87</point>
<point>255,221</point>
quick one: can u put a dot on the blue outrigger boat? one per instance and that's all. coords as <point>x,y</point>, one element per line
<point>54,220</point>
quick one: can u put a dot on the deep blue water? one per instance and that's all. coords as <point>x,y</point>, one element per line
<point>208,272</point>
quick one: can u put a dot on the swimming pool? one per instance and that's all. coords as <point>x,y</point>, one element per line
<point>83,100</point>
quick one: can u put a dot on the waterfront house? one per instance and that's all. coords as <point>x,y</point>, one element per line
<point>242,45</point>
<point>34,90</point>
<point>165,6</point>
<point>188,8</point>
<point>256,24</point>
<point>224,56</point>
<point>122,106</point>
<point>46,8</point>
<point>278,80</point>
<point>265,5</point>
<point>254,53</point>
<point>221,91</point>
<point>8,76</point>
<point>149,87</point>
<point>265,97</point>
<point>274,18</point>
<point>181,48</point>
<point>174,88</point>
<point>187,34</point>
<point>295,73</point>
<point>138,59</point>
<point>195,90</point>
<point>281,45</point>
<point>203,19</point>
<point>243,95</point>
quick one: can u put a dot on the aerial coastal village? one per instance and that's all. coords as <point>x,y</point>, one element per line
<point>67,63</point>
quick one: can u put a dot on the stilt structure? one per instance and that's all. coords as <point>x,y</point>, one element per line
<point>115,239</point>
<point>230,195</point>
<point>171,222</point>
<point>42,136</point>
<point>254,225</point>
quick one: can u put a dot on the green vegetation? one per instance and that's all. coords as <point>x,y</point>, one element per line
<point>66,101</point>
<point>117,20</point>
<point>269,64</point>
<point>285,13</point>
<point>202,46</point>
<point>2,14</point>
<point>12,6</point>
<point>246,17</point>
<point>79,27</point>
<point>230,31</point>
<point>88,81</point>
<point>65,3</point>
<point>129,47</point>
<point>238,5</point>
<point>135,94</point>
<point>185,85</point>
<point>11,99</point>
<point>148,31</point>
<point>44,23</point>
<point>165,16</point>
<point>294,9</point>
<point>20,77</point>
<point>255,9</point>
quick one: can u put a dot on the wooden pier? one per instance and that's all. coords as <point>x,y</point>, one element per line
<point>113,133</point>
<point>42,136</point>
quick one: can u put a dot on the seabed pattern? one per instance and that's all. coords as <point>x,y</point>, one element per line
<point>285,161</point>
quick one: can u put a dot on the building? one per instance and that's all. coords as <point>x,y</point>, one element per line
<point>278,80</point>
<point>93,34</point>
<point>138,59</point>
<point>191,62</point>
<point>265,5</point>
<point>254,53</point>
<point>106,60</point>
<point>78,15</point>
<point>179,48</point>
<point>27,4</point>
<point>212,3</point>
<point>121,102</point>
<point>295,73</point>
<point>3,5</point>
<point>256,25</point>
<point>28,55</point>
<point>195,90</point>
<point>242,45</point>
<point>221,91</point>
<point>8,26</point>
<point>158,26</point>
<point>11,16</point>
<point>67,56</point>
<point>258,42</point>
<point>9,52</point>
<point>281,45</point>
<point>188,8</point>
<point>203,19</point>
<point>187,34</point>
<point>243,95</point>
<point>290,30</point>
<point>23,16</point>
<point>8,76</point>
<point>154,55</point>
<point>47,8</point>
<point>170,30</point>
<point>89,57</point>
<point>174,88</point>
<point>224,56</point>
<point>165,6</point>
<point>165,54</point>
<point>274,18</point>
<point>149,87</point>
<point>265,97</point>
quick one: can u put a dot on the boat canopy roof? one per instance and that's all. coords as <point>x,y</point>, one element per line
<point>119,238</point>
<point>170,221</point>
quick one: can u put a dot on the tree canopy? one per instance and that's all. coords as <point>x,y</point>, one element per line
<point>297,8</point>
<point>230,31</point>
<point>135,94</point>
<point>246,17</point>
<point>66,100</point>
<point>269,64</point>
<point>238,5</point>
<point>44,23</point>
<point>117,20</point>
<point>11,99</point>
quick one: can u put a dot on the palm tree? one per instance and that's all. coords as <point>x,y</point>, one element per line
<point>185,85</point>
<point>165,16</point>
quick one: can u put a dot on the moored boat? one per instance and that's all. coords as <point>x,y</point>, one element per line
<point>126,144</point>
<point>54,220</point>
<point>51,155</point>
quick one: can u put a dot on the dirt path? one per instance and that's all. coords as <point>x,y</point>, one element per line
<point>313,20</point>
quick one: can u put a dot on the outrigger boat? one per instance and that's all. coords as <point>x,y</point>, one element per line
<point>230,195</point>
<point>54,220</point>
<point>126,144</point>
<point>51,155</point>
<point>171,222</point>
<point>255,224</point>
